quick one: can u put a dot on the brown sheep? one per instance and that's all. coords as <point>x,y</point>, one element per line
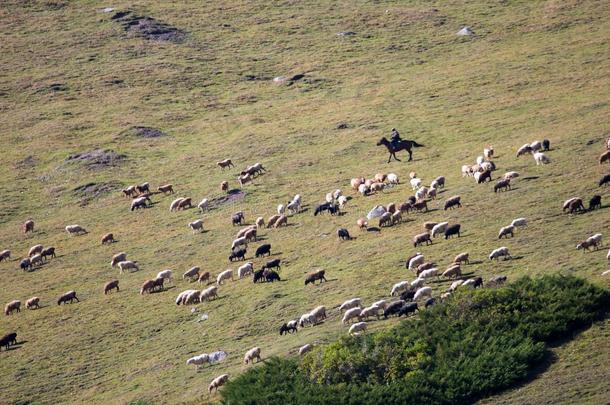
<point>204,277</point>
<point>453,270</point>
<point>12,307</point>
<point>575,206</point>
<point>5,255</point>
<point>385,219</point>
<point>380,177</point>
<point>147,287</point>
<point>224,186</point>
<point>34,250</point>
<point>69,296</point>
<point>396,218</point>
<point>454,201</point>
<point>33,303</point>
<point>251,234</point>
<point>356,182</point>
<point>272,220</point>
<point>391,208</point>
<point>28,226</point>
<point>424,266</point>
<point>108,238</point>
<point>114,284</point>
<point>605,157</point>
<point>405,207</point>
<point>429,225</point>
<point>246,178</point>
<point>316,275</point>
<point>421,238</point>
<point>143,188</point>
<point>362,224</point>
<point>421,206</point>
<point>462,257</point>
<point>282,220</point>
<point>129,191</point>
<point>185,203</point>
<point>375,187</point>
<point>260,222</point>
<point>168,188</point>
<point>225,163</point>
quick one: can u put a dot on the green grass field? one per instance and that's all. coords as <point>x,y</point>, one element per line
<point>73,80</point>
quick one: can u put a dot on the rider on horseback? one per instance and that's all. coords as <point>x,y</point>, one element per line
<point>395,139</point>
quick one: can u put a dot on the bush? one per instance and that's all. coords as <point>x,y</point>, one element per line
<point>474,344</point>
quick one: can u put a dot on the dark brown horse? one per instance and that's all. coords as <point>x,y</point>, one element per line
<point>402,145</point>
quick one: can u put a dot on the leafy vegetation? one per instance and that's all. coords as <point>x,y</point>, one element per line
<point>475,344</point>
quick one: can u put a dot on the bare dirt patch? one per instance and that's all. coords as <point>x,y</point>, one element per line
<point>143,132</point>
<point>97,159</point>
<point>92,191</point>
<point>148,27</point>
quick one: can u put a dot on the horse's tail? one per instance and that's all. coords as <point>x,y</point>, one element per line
<point>417,145</point>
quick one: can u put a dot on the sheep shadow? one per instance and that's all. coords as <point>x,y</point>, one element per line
<point>472,262</point>
<point>373,229</point>
<point>515,258</point>
<point>531,178</point>
<point>304,209</point>
<point>164,289</point>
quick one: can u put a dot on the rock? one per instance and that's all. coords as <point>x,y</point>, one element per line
<point>346,33</point>
<point>376,212</point>
<point>464,32</point>
<point>342,125</point>
<point>108,10</point>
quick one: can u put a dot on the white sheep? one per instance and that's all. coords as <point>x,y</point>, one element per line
<point>416,261</point>
<point>502,251</point>
<point>469,283</point>
<point>75,229</point>
<point>245,269</point>
<point>238,242</point>
<point>292,324</point>
<point>510,175</point>
<point>192,272</point>
<point>422,292</point>
<point>524,149</point>
<point>225,275</point>
<point>318,313</point>
<point>281,209</point>
<point>337,193</point>
<point>536,146</point>
<point>191,298</point>
<point>467,171</point>
<point>455,285</point>
<point>418,282</point>
<point>398,287</point>
<point>519,222</point>
<point>415,183</point>
<point>480,160</point>
<point>351,314</point>
<point>506,230</point>
<point>218,382</point>
<point>433,272</point>
<point>541,159</point>
<point>367,312</point>
<point>357,328</point>
<point>204,205</point>
<point>393,178</point>
<point>165,274</point>
<point>354,302</point>
<point>196,225</point>
<point>488,152</point>
<point>294,207</point>
<point>174,205</point>
<point>128,265</point>
<point>305,348</point>
<point>382,304</point>
<point>363,189</point>
<point>35,250</point>
<point>208,294</point>
<point>342,200</point>
<point>439,229</point>
<point>305,319</point>
<point>254,353</point>
<point>297,199</point>
<point>180,298</point>
<point>5,255</point>
<point>329,197</point>
<point>421,193</point>
<point>487,166</point>
<point>119,257</point>
<point>199,360</point>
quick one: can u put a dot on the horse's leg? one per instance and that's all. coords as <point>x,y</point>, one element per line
<point>394,153</point>
<point>390,157</point>
<point>410,155</point>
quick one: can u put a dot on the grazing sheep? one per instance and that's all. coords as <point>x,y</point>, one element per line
<point>263,250</point>
<point>349,304</point>
<point>453,230</point>
<point>487,166</point>
<point>260,222</point>
<point>50,251</point>
<point>496,281</point>
<point>204,277</point>
<point>183,295</point>
<point>243,231</point>
<point>421,238</point>
<point>393,308</point>
<point>204,205</point>
<point>431,194</point>
<point>225,275</point>
<point>421,193</point>
<point>167,188</point>
<point>111,285</point>
<point>139,202</point>
<point>488,152</point>
<point>34,250</point>
<point>367,312</point>
<point>423,292</point>
<point>415,261</point>
<point>467,171</point>
<point>604,180</point>
<point>462,257</point>
<point>36,259</point>
<point>576,206</point>
<point>108,238</point>
<point>199,360</point>
<point>429,273</point>
<point>604,157</point>
<point>12,306</point>
<point>128,265</point>
<point>473,282</point>
<point>519,222</point>
<point>596,240</point>
<point>75,230</point>
<point>192,298</point>
<point>416,183</point>
<point>250,234</point>
<point>417,283</point>
<point>524,150</point>
<point>175,204</point>
<point>238,255</point>
<point>254,353</point>
<point>119,257</point>
<point>295,206</point>
<point>307,318</point>
<point>502,185</point>
<point>536,146</point>
<point>364,189</point>
<point>393,178</point>
<point>410,308</point>
<point>147,287</point>
<point>595,202</point>
<point>143,188</point>
<point>185,203</point>
<point>246,178</point>
<point>69,296</point>
<point>385,219</point>
<point>196,225</point>
<point>439,229</point>
<point>505,231</point>
<point>399,287</point>
<point>225,163</point>
<point>453,201</point>
<point>510,175</point>
<point>382,304</point>
<point>282,220</point>
<point>455,285</point>
<point>5,255</point>
<point>437,183</point>
<point>218,382</point>
<point>566,204</point>
<point>208,294</point>
<point>239,242</point>
<point>191,273</point>
<point>33,303</point>
<point>396,218</point>
<point>28,226</point>
<point>356,183</point>
<point>480,160</point>
<point>25,264</point>
<point>343,234</point>
<point>245,269</point>
<point>453,271</point>
<point>546,145</point>
<point>281,209</point>
<point>224,186</point>
<point>165,274</point>
<point>362,223</point>
<point>316,275</point>
<point>541,159</point>
<point>319,313</point>
<point>350,314</point>
<point>502,251</point>
<point>305,349</point>
<point>275,263</point>
<point>129,191</point>
<point>480,177</point>
<point>290,327</point>
<point>272,220</point>
<point>357,328</point>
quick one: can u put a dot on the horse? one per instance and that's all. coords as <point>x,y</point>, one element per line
<point>404,144</point>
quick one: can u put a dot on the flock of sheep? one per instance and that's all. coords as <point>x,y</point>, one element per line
<point>354,312</point>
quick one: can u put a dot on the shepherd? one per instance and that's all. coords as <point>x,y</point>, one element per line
<point>396,144</point>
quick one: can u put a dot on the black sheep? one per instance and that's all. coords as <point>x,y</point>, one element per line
<point>546,145</point>
<point>408,308</point>
<point>275,263</point>
<point>25,264</point>
<point>604,180</point>
<point>8,339</point>
<point>393,308</point>
<point>502,185</point>
<point>430,302</point>
<point>237,218</point>
<point>263,250</point>
<point>343,234</point>
<point>287,329</point>
<point>258,276</point>
<point>239,255</point>
<point>321,208</point>
<point>272,276</point>
<point>407,295</point>
<point>478,282</point>
<point>452,230</point>
<point>595,202</point>
<point>50,251</point>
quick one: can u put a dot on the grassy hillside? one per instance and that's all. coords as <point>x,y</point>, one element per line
<point>74,81</point>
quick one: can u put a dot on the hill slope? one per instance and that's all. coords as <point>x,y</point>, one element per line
<point>76,81</point>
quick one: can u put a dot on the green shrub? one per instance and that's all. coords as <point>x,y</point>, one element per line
<point>475,343</point>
